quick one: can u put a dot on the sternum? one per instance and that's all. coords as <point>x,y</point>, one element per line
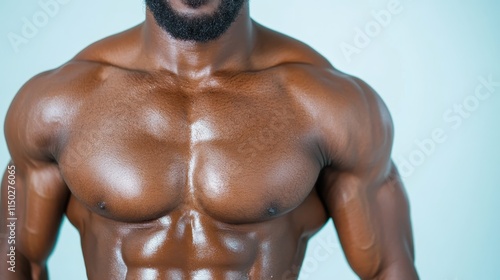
<point>200,131</point>
<point>191,172</point>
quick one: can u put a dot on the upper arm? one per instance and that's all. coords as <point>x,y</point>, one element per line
<point>40,192</point>
<point>361,187</point>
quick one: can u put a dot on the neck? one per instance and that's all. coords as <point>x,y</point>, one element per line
<point>231,51</point>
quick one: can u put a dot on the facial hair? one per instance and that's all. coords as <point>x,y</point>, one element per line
<point>202,28</point>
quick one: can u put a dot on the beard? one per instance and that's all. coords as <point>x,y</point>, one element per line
<point>202,28</point>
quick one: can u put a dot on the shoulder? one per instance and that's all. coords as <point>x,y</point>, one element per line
<point>69,82</point>
<point>44,106</point>
<point>352,123</point>
<point>350,120</point>
<point>311,77</point>
<point>43,109</point>
<point>355,124</point>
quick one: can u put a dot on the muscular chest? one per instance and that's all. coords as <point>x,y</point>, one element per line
<point>238,156</point>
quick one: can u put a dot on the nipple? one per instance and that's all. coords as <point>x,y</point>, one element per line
<point>102,205</point>
<point>272,211</point>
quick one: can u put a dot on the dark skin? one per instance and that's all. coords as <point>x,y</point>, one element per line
<point>218,160</point>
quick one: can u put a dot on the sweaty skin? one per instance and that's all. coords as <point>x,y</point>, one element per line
<point>218,160</point>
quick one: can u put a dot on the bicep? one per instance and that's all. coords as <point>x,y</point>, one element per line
<point>372,220</point>
<point>36,198</point>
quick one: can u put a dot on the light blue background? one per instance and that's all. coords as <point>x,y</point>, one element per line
<point>426,60</point>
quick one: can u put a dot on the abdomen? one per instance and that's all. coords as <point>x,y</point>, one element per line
<point>190,245</point>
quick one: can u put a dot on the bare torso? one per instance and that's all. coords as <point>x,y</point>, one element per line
<point>180,179</point>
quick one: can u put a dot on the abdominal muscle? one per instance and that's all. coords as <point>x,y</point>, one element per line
<point>188,244</point>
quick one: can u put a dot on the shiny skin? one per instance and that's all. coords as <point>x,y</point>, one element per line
<point>181,160</point>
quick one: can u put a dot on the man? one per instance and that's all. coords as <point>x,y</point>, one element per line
<point>202,145</point>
